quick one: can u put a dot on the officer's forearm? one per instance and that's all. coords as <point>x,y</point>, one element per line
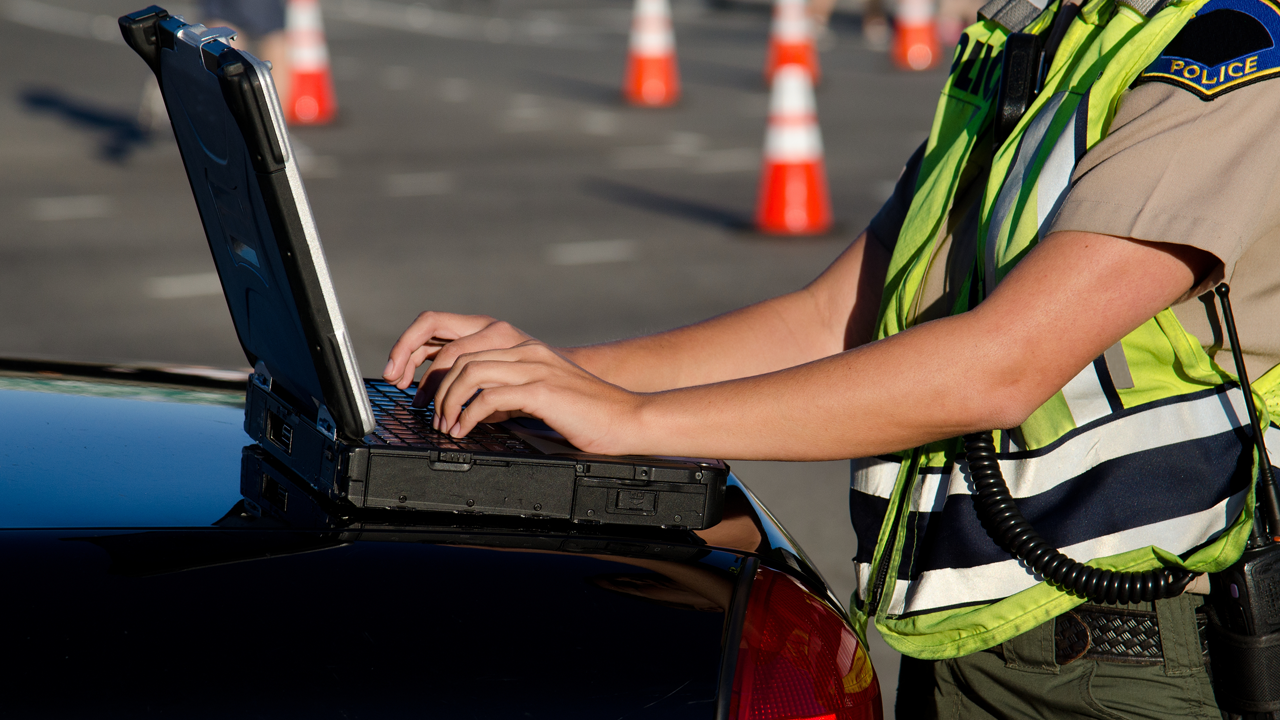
<point>836,311</point>
<point>1074,296</point>
<point>883,397</point>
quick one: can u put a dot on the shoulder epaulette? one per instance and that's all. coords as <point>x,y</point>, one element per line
<point>1227,45</point>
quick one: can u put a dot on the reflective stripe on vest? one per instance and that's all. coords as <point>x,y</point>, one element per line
<point>1093,494</point>
<point>1140,461</point>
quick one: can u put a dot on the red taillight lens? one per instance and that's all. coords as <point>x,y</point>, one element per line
<point>799,660</point>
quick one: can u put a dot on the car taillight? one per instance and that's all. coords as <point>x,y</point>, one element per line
<point>798,659</point>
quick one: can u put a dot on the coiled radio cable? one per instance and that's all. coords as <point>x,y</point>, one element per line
<point>1005,524</point>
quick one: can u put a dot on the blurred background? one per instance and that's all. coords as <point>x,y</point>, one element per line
<point>482,161</point>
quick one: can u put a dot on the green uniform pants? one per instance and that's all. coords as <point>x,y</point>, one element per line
<point>1021,679</point>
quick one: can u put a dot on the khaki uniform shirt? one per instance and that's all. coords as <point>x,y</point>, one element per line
<point>1174,169</point>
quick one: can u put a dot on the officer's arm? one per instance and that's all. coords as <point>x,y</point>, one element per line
<point>1072,297</point>
<point>835,312</point>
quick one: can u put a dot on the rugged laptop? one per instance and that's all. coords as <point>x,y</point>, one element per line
<point>352,439</point>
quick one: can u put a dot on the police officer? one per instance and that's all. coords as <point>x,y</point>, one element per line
<point>1051,283</point>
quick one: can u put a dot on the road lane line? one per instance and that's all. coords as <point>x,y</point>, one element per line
<point>63,21</point>
<point>171,287</point>
<point>419,184</point>
<point>73,207</point>
<point>593,252</point>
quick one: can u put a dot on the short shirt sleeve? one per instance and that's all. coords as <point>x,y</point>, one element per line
<point>1178,169</point>
<point>887,223</point>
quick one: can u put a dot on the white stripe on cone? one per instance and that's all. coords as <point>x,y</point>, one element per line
<point>791,22</point>
<point>914,12</point>
<point>793,135</point>
<point>307,48</point>
<point>651,34</point>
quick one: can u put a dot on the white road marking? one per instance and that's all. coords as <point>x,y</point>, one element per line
<point>645,158</point>
<point>526,113</point>
<point>497,30</point>
<point>183,286</point>
<point>419,184</point>
<point>687,150</point>
<point>545,28</point>
<point>310,165</point>
<point>686,143</point>
<point>455,90</point>
<point>74,207</point>
<point>730,160</point>
<point>397,77</point>
<point>591,253</point>
<point>63,21</point>
<point>599,122</point>
<point>423,20</point>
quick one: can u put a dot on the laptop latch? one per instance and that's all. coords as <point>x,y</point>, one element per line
<point>261,377</point>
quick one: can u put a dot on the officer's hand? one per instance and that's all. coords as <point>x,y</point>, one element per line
<point>534,380</point>
<point>441,338</point>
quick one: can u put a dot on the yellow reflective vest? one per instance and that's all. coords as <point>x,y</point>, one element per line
<point>1142,460</point>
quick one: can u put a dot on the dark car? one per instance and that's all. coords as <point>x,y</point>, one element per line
<point>155,563</point>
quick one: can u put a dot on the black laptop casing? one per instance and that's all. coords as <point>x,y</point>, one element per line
<point>306,402</point>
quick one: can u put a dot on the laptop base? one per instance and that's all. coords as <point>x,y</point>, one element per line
<point>579,487</point>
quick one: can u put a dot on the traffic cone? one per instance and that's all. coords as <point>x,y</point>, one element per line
<point>791,39</point>
<point>793,183</point>
<point>652,78</point>
<point>915,35</point>
<point>311,98</point>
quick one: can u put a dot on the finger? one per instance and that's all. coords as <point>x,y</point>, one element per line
<point>428,325</point>
<point>450,375</point>
<point>528,351</point>
<point>505,400</point>
<point>473,377</point>
<point>496,335</point>
<point>497,368</point>
<point>416,358</point>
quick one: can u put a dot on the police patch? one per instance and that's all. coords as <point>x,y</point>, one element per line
<point>1227,45</point>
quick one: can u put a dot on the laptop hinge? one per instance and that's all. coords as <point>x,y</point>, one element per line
<point>325,424</point>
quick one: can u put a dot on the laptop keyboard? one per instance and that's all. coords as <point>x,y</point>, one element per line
<point>401,424</point>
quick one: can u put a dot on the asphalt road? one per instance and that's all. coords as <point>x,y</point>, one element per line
<point>482,164</point>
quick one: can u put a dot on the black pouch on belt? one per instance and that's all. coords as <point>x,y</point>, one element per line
<point>1244,632</point>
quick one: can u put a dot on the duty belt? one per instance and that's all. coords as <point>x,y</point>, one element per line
<point>1095,632</point>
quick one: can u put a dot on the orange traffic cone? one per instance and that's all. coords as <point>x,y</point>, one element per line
<point>915,35</point>
<point>791,39</point>
<point>793,184</point>
<point>652,78</point>
<point>311,98</point>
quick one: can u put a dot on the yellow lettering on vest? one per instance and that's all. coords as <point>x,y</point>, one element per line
<point>1176,66</point>
<point>1233,71</point>
<point>1192,72</point>
<point>1251,65</point>
<point>1208,79</point>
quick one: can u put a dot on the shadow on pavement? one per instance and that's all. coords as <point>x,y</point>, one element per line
<point>624,194</point>
<point>706,72</point>
<point>120,133</point>
<point>575,89</point>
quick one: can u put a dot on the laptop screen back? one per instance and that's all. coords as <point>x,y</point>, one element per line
<point>230,131</point>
